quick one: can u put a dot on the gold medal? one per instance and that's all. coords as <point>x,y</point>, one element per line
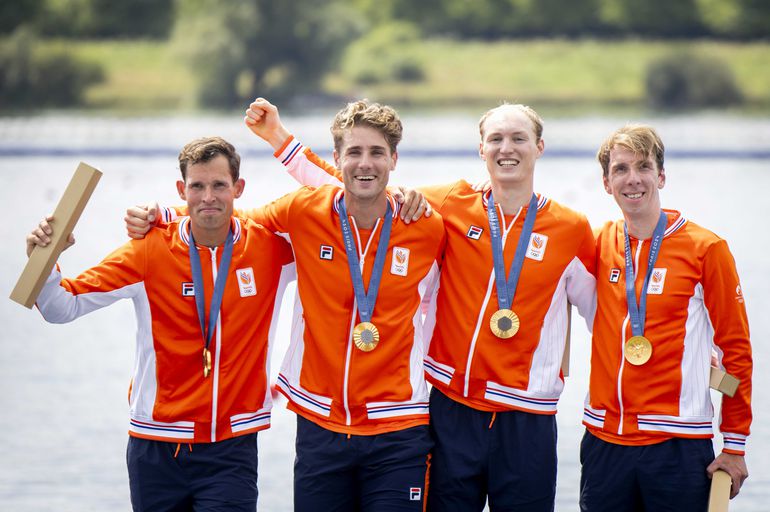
<point>206,362</point>
<point>638,350</point>
<point>504,323</point>
<point>366,336</point>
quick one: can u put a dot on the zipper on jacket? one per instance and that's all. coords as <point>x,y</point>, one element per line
<point>217,350</point>
<point>623,340</point>
<point>349,351</point>
<point>480,320</point>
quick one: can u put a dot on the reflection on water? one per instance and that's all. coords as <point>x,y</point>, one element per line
<point>63,387</point>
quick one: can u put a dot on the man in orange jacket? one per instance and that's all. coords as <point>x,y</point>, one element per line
<point>668,294</point>
<point>205,290</point>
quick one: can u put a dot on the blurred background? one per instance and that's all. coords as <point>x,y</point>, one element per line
<point>124,85</point>
<point>182,55</point>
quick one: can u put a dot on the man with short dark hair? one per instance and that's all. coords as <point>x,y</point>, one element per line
<point>205,289</point>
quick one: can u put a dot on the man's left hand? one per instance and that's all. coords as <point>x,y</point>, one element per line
<point>735,466</point>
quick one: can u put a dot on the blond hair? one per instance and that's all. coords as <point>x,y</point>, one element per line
<point>639,138</point>
<point>537,121</point>
<point>382,118</point>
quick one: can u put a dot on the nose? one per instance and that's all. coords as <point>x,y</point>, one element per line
<point>507,145</point>
<point>208,194</point>
<point>365,162</point>
<point>634,176</point>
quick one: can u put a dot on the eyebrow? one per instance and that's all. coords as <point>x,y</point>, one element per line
<point>517,132</point>
<point>360,146</point>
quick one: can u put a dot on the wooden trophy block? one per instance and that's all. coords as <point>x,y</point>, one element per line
<point>719,498</point>
<point>65,216</point>
<point>723,382</point>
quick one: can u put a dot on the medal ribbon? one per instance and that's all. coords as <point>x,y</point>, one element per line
<point>365,300</point>
<point>506,288</point>
<point>637,312</point>
<point>219,285</point>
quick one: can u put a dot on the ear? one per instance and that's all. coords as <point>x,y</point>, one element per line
<point>394,157</point>
<point>180,189</point>
<point>336,159</point>
<point>481,151</point>
<point>540,147</point>
<point>661,178</point>
<point>607,187</point>
<point>238,186</point>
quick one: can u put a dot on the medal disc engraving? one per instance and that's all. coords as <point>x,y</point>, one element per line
<point>504,323</point>
<point>637,350</point>
<point>366,336</point>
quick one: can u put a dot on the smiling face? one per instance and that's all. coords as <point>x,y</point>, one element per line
<point>633,180</point>
<point>365,159</point>
<point>209,190</point>
<point>510,146</point>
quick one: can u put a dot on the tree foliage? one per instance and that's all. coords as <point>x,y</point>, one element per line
<point>684,80</point>
<point>242,49</point>
<point>381,55</point>
<point>489,19</point>
<point>31,77</point>
<point>478,19</point>
<point>17,12</point>
<point>91,18</point>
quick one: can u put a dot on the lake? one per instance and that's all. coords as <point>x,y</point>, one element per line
<point>63,405</point>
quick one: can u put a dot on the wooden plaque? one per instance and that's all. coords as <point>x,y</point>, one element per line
<point>66,215</point>
<point>723,381</point>
<point>719,498</point>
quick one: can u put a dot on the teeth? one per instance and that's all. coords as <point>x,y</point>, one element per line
<point>508,162</point>
<point>634,196</point>
<point>364,178</point>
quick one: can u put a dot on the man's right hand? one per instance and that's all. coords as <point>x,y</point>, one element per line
<point>140,219</point>
<point>41,236</point>
<point>263,120</point>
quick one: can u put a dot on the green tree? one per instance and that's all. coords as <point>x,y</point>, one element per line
<point>685,80</point>
<point>754,19</point>
<point>488,19</point>
<point>382,55</point>
<point>106,18</point>
<point>659,18</point>
<point>241,49</point>
<point>14,13</point>
<point>33,78</point>
<point>721,17</point>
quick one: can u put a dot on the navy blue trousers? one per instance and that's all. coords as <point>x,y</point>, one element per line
<point>210,477</point>
<point>668,476</point>
<point>339,473</point>
<point>506,457</point>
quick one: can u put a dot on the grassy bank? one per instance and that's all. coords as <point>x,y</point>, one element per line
<point>557,73</point>
<point>585,74</point>
<point>139,75</point>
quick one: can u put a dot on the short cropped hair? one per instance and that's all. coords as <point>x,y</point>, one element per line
<point>639,138</point>
<point>382,118</point>
<point>206,149</point>
<point>537,121</point>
